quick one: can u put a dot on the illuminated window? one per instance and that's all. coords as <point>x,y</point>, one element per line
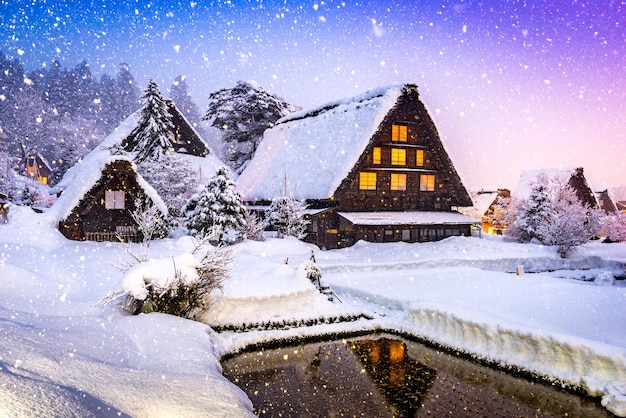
<point>419,158</point>
<point>399,133</point>
<point>398,181</point>
<point>427,183</point>
<point>376,155</point>
<point>367,181</point>
<point>398,156</point>
<point>113,199</point>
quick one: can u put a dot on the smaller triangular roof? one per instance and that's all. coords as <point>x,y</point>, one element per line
<point>316,148</point>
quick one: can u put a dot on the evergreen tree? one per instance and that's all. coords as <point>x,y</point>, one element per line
<point>243,113</point>
<point>536,211</point>
<point>216,209</point>
<point>127,91</point>
<point>151,138</point>
<point>286,215</point>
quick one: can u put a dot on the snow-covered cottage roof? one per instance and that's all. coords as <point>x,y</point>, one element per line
<point>408,218</point>
<point>316,148</point>
<point>87,179</point>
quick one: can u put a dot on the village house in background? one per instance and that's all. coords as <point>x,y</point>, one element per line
<point>98,205</point>
<point>36,168</point>
<point>371,167</point>
<point>489,206</point>
<point>606,200</point>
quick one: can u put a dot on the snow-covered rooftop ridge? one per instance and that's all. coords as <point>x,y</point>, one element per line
<point>363,97</point>
<point>85,180</point>
<point>316,149</point>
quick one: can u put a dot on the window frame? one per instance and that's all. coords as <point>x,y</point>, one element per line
<point>398,156</point>
<point>399,133</point>
<point>427,182</point>
<point>114,199</point>
<point>367,180</point>
<point>398,182</point>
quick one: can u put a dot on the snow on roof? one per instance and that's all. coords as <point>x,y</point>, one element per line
<point>528,177</point>
<point>483,199</point>
<point>87,178</point>
<point>407,218</point>
<point>316,148</point>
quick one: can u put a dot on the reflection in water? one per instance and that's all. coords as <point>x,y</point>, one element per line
<point>381,377</point>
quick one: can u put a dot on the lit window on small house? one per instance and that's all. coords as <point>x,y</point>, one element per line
<point>398,181</point>
<point>406,235</point>
<point>114,199</point>
<point>367,181</point>
<point>427,183</point>
<point>398,156</point>
<point>399,133</point>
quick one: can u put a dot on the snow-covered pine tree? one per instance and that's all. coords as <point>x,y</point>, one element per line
<point>286,215</point>
<point>216,209</point>
<point>243,113</point>
<point>151,139</point>
<point>534,212</point>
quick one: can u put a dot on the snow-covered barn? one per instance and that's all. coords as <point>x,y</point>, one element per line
<point>370,167</point>
<point>98,205</point>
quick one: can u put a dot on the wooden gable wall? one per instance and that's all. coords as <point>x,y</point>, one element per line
<point>91,220</point>
<point>421,136</point>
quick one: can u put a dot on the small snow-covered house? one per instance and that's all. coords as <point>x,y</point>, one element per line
<point>97,205</point>
<point>370,167</point>
<point>185,139</point>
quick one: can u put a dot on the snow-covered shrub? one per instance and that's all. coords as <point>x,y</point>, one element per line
<point>312,272</point>
<point>217,208</point>
<point>286,215</point>
<point>254,227</point>
<point>605,278</point>
<point>151,222</point>
<point>615,227</point>
<point>180,286</point>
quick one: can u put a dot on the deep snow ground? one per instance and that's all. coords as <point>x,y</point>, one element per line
<point>63,353</point>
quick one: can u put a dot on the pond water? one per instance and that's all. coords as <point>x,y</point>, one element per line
<point>386,376</point>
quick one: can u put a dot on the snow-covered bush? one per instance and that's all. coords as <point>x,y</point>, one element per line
<point>151,222</point>
<point>216,209</point>
<point>605,278</point>
<point>180,286</point>
<point>312,272</point>
<point>286,215</point>
<point>254,227</point>
<point>615,228</point>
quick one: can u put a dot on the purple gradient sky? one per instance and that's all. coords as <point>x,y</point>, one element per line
<point>510,84</point>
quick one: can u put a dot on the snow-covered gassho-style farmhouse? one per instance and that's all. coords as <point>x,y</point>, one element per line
<point>98,206</point>
<point>370,167</point>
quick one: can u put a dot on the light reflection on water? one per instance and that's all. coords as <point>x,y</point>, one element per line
<point>382,376</point>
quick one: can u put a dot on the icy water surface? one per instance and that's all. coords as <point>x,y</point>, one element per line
<point>383,376</point>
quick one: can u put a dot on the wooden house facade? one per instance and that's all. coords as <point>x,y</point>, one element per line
<point>369,168</point>
<point>98,206</point>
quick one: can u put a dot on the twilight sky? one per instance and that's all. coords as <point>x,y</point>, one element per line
<point>510,84</point>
